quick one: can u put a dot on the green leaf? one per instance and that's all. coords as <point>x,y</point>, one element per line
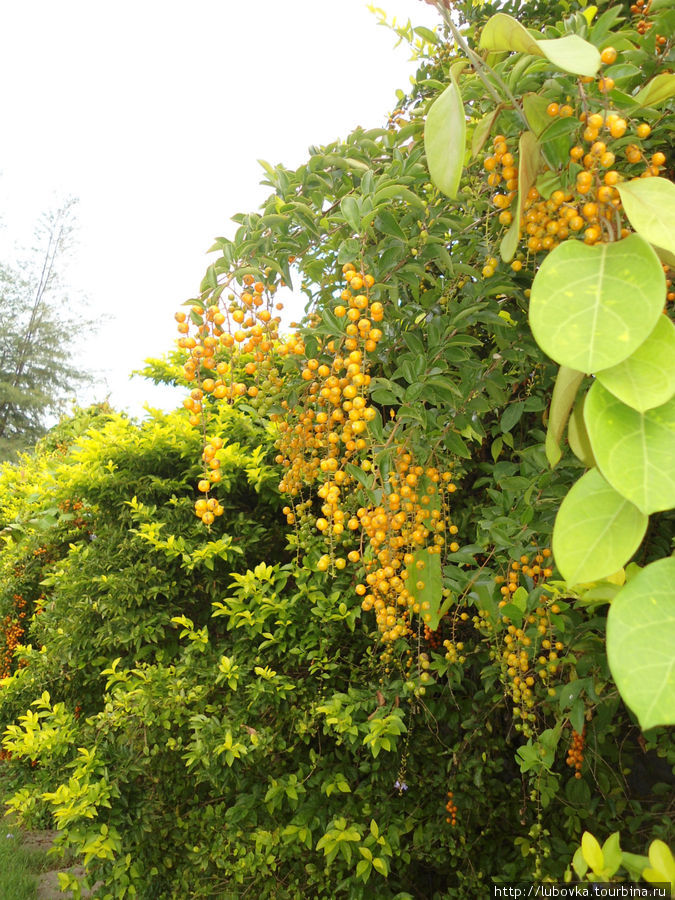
<point>577,435</point>
<point>455,444</point>
<point>570,53</point>
<point>591,307</point>
<point>564,392</point>
<point>427,34</point>
<point>512,415</point>
<point>534,107</point>
<point>634,450</point>
<point>529,162</point>
<point>657,91</point>
<point>596,530</point>
<point>640,641</point>
<point>647,378</point>
<point>649,204</point>
<point>380,866</point>
<point>482,131</point>
<point>350,210</point>
<point>444,138</point>
<point>430,576</point>
<point>592,852</point>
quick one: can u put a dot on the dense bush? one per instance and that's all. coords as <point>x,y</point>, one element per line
<point>356,671</point>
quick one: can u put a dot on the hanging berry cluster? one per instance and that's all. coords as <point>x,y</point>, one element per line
<point>325,441</point>
<point>575,754</point>
<point>223,343</point>
<point>12,630</point>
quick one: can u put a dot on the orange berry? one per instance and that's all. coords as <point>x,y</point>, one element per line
<point>643,130</point>
<point>552,109</point>
<point>608,56</point>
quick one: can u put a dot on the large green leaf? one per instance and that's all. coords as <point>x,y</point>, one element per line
<point>647,378</point>
<point>444,137</point>
<point>641,642</point>
<point>564,392</point>
<point>592,306</point>
<point>659,89</point>
<point>649,204</point>
<point>528,166</point>
<point>634,450</point>
<point>596,530</point>
<point>570,53</point>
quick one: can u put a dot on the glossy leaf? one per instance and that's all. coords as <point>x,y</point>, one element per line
<point>570,53</point>
<point>659,89</point>
<point>564,393</point>
<point>596,530</point>
<point>633,450</point>
<point>640,642</point>
<point>591,307</point>
<point>529,162</point>
<point>647,378</point>
<point>649,204</point>
<point>444,139</point>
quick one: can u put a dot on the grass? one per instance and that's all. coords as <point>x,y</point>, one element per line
<point>18,866</point>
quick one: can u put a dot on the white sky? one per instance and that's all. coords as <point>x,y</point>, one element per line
<point>153,113</point>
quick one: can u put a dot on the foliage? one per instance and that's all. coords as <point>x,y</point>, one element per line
<point>37,370</point>
<point>395,694</point>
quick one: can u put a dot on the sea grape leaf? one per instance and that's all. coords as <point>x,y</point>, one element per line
<point>444,139</point>
<point>649,204</point>
<point>640,641</point>
<point>596,530</point>
<point>633,449</point>
<point>647,378</point>
<point>592,306</point>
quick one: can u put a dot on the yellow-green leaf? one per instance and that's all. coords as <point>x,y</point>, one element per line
<point>647,378</point>
<point>640,641</point>
<point>592,852</point>
<point>591,307</point>
<point>444,139</point>
<point>570,53</point>
<point>596,530</point>
<point>659,89</point>
<point>649,204</point>
<point>564,392</point>
<point>529,162</point>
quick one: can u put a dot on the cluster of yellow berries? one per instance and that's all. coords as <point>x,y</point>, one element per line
<point>414,517</point>
<point>536,569</point>
<point>325,433</point>
<point>247,329</point>
<point>528,653</point>
<point>591,208</point>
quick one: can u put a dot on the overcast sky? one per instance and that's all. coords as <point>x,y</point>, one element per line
<point>153,114</point>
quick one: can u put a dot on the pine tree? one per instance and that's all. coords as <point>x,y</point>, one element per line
<point>37,371</point>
